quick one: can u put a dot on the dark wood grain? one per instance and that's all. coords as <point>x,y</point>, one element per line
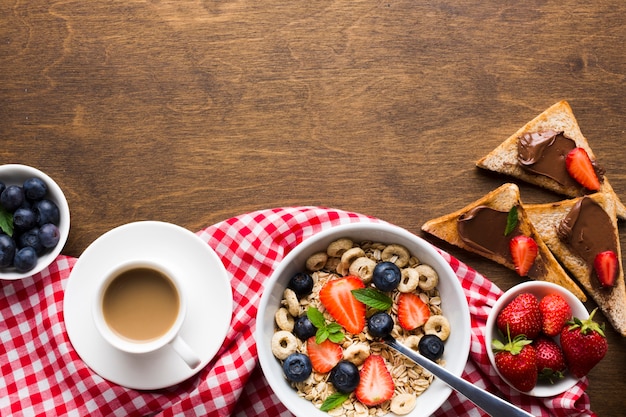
<point>193,112</point>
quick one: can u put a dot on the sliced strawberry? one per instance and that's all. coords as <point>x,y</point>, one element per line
<point>580,168</point>
<point>376,384</point>
<point>336,296</point>
<point>606,266</point>
<point>523,251</point>
<point>412,311</point>
<point>323,356</point>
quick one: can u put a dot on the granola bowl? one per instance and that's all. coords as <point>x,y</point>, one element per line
<point>16,175</point>
<point>447,299</point>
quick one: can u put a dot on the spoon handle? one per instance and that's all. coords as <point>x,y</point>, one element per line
<point>492,404</point>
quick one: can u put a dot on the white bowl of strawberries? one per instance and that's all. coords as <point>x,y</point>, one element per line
<point>534,341</point>
<point>361,374</point>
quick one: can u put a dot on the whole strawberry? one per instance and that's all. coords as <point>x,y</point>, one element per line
<point>517,362</point>
<point>555,313</point>
<point>550,360</point>
<point>521,316</point>
<point>584,345</point>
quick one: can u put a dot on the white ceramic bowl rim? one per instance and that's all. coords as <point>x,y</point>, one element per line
<point>15,174</point>
<point>457,345</point>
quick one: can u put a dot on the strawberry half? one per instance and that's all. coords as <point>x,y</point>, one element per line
<point>412,311</point>
<point>580,168</point>
<point>376,384</point>
<point>336,296</point>
<point>523,252</point>
<point>555,312</point>
<point>323,356</point>
<point>606,266</point>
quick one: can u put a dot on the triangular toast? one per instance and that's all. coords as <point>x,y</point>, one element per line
<point>546,218</point>
<point>559,118</point>
<point>503,199</point>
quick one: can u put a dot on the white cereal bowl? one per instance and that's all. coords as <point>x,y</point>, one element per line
<point>540,289</point>
<point>454,305</point>
<point>15,174</point>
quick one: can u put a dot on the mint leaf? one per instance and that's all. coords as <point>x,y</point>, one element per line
<point>331,331</point>
<point>373,298</point>
<point>334,400</point>
<point>336,337</point>
<point>321,335</point>
<point>316,317</point>
<point>6,221</point>
<point>511,221</point>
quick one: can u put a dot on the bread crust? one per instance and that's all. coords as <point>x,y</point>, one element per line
<point>502,199</point>
<point>546,218</point>
<point>560,118</point>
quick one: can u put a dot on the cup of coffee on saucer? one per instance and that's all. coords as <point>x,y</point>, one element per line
<point>140,308</point>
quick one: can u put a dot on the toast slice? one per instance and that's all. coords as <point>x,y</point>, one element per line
<point>501,200</point>
<point>557,118</point>
<point>547,217</point>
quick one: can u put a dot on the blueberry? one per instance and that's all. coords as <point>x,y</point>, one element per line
<point>303,328</point>
<point>345,377</point>
<point>7,250</point>
<point>30,238</point>
<point>2,187</point>
<point>431,347</point>
<point>25,259</point>
<point>49,235</point>
<point>301,284</point>
<point>24,219</point>
<point>35,189</point>
<point>12,197</point>
<point>380,324</point>
<point>47,212</point>
<point>386,276</point>
<point>297,367</point>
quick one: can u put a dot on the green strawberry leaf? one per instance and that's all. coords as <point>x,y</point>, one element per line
<point>334,400</point>
<point>511,221</point>
<point>373,298</point>
<point>6,221</point>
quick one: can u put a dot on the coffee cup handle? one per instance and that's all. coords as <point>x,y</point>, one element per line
<point>184,351</point>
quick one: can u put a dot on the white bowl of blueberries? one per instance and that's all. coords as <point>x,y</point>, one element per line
<point>34,221</point>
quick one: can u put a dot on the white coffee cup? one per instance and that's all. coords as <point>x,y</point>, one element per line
<point>140,308</point>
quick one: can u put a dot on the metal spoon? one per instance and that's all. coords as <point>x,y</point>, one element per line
<point>493,405</point>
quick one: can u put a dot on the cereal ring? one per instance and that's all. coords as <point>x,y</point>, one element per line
<point>428,277</point>
<point>316,261</point>
<point>403,404</point>
<point>413,341</point>
<point>357,353</point>
<point>351,255</point>
<point>284,320</point>
<point>397,254</point>
<point>342,269</point>
<point>409,281</point>
<point>292,302</point>
<point>437,325</point>
<point>363,268</point>
<point>284,343</point>
<point>338,247</point>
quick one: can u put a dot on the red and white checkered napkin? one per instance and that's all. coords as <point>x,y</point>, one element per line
<point>41,374</point>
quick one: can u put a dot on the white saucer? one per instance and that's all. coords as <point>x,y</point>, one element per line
<point>205,284</point>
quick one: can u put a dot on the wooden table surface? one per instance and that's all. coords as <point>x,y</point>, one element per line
<point>194,112</point>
